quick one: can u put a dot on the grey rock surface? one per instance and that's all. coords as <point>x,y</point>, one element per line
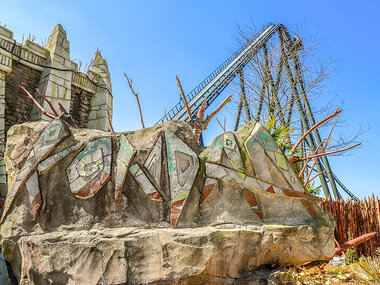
<point>155,208</point>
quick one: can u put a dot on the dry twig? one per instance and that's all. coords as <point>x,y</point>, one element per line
<point>36,103</point>
<point>137,98</point>
<point>47,101</point>
<point>223,127</point>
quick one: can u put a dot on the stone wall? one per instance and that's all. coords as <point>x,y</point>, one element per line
<point>80,105</point>
<point>17,106</point>
<point>87,96</point>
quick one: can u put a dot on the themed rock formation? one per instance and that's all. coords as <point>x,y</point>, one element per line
<point>153,207</point>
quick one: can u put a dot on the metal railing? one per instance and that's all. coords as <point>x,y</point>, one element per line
<point>227,70</point>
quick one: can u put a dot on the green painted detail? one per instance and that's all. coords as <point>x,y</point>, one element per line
<point>171,165</point>
<point>125,146</point>
<point>281,160</point>
<point>241,174</point>
<point>94,145</point>
<point>133,168</point>
<point>268,142</point>
<point>52,133</point>
<point>252,142</point>
<point>180,196</point>
<point>229,142</point>
<point>122,165</point>
<point>91,147</point>
<point>217,144</point>
<point>105,141</point>
<point>139,172</point>
<point>234,164</point>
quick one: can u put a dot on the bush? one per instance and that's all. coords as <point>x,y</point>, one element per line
<point>351,255</point>
<point>367,270</point>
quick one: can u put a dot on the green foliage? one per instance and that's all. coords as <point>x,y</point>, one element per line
<point>367,270</point>
<point>281,134</point>
<point>351,255</point>
<point>310,189</point>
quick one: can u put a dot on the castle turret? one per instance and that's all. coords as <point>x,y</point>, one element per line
<point>101,102</point>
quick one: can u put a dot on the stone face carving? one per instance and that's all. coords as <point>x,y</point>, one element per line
<point>157,178</point>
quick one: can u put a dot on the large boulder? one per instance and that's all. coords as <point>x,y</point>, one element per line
<point>152,207</point>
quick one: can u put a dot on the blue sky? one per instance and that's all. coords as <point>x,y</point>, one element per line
<point>152,41</point>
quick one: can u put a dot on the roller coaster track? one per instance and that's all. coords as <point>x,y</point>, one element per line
<point>219,79</point>
<point>211,87</point>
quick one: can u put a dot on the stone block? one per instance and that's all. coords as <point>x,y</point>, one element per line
<point>6,33</point>
<point>36,48</point>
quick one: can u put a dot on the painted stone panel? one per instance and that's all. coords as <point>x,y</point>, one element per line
<point>232,151</point>
<point>53,135</point>
<point>258,158</point>
<point>262,136</point>
<point>183,166</point>
<point>154,161</point>
<point>49,162</point>
<point>123,161</point>
<point>251,200</point>
<point>144,182</point>
<point>223,192</point>
<point>226,144</point>
<point>91,168</point>
<point>33,188</point>
<point>208,187</point>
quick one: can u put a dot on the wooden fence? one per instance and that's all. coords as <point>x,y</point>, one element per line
<point>357,217</point>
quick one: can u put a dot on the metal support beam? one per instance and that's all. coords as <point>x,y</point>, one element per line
<point>245,100</point>
<point>312,121</point>
<point>261,101</point>
<point>242,101</point>
<point>240,106</point>
<point>302,115</point>
<point>275,89</point>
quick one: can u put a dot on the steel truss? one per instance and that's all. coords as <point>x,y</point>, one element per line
<point>210,88</point>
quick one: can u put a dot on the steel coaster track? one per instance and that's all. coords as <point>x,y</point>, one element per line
<point>345,189</point>
<point>219,79</point>
<point>211,87</point>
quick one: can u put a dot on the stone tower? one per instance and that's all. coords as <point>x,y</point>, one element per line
<point>86,96</point>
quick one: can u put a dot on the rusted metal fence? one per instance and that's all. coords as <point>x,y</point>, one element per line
<point>357,217</point>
